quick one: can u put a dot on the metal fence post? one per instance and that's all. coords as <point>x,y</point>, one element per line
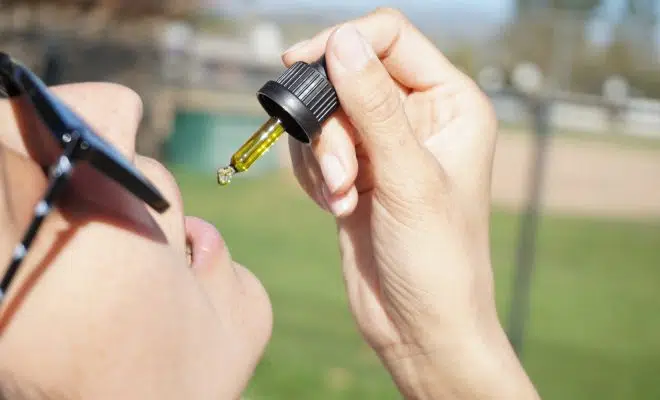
<point>526,253</point>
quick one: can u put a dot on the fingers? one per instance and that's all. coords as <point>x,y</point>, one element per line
<point>369,98</point>
<point>335,152</point>
<point>309,175</point>
<point>372,94</point>
<point>306,174</point>
<point>410,58</point>
<point>327,169</point>
<point>314,176</point>
<point>378,124</point>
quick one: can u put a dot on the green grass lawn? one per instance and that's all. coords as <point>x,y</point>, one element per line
<point>594,332</point>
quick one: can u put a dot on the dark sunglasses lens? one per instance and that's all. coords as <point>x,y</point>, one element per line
<point>61,121</point>
<point>3,88</point>
<point>8,86</point>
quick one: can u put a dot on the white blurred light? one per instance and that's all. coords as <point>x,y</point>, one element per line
<point>175,40</point>
<point>491,78</point>
<point>528,78</point>
<point>266,42</point>
<point>177,36</point>
<point>615,89</point>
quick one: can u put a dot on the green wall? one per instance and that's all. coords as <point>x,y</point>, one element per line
<point>203,142</point>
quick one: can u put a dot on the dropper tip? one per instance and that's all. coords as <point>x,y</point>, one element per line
<point>225,174</point>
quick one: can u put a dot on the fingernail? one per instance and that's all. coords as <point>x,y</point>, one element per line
<point>296,46</point>
<point>350,48</point>
<point>333,172</point>
<point>340,207</point>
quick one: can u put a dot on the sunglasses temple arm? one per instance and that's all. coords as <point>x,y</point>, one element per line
<point>59,175</point>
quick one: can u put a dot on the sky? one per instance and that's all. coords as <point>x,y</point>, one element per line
<point>494,8</point>
<point>429,15</point>
<point>464,18</point>
<point>491,10</point>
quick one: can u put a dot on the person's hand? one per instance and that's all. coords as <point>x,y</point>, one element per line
<point>405,166</point>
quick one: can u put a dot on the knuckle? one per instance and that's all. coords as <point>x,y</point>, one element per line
<point>488,107</point>
<point>303,175</point>
<point>486,110</point>
<point>297,160</point>
<point>390,12</point>
<point>392,17</point>
<point>380,101</point>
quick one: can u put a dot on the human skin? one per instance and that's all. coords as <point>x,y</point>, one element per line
<point>108,306</point>
<point>405,167</point>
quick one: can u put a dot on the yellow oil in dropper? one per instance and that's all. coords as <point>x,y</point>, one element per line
<point>300,99</point>
<point>256,146</point>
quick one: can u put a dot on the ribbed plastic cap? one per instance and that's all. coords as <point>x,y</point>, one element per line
<point>302,98</point>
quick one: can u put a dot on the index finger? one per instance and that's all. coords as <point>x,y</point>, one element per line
<point>396,41</point>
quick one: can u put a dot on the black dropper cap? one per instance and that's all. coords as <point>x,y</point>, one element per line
<point>301,98</point>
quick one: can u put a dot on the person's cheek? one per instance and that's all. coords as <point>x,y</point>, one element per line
<point>172,221</point>
<point>244,302</point>
<point>238,297</point>
<point>243,305</point>
<point>120,316</point>
<point>254,304</point>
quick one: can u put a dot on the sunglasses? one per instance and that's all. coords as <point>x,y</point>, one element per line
<point>78,143</point>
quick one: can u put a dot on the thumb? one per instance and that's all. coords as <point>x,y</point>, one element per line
<point>371,100</point>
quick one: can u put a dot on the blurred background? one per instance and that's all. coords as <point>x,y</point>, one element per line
<point>576,185</point>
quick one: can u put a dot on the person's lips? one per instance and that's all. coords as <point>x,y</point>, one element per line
<point>204,240</point>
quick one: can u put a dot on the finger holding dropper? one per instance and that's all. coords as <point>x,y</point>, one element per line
<point>298,102</point>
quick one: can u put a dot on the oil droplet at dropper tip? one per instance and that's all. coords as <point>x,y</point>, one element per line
<point>255,147</point>
<point>225,174</point>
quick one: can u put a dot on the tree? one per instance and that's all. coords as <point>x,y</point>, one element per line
<point>649,8</point>
<point>524,7</point>
<point>549,33</point>
<point>581,6</point>
<point>639,22</point>
<point>123,8</point>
